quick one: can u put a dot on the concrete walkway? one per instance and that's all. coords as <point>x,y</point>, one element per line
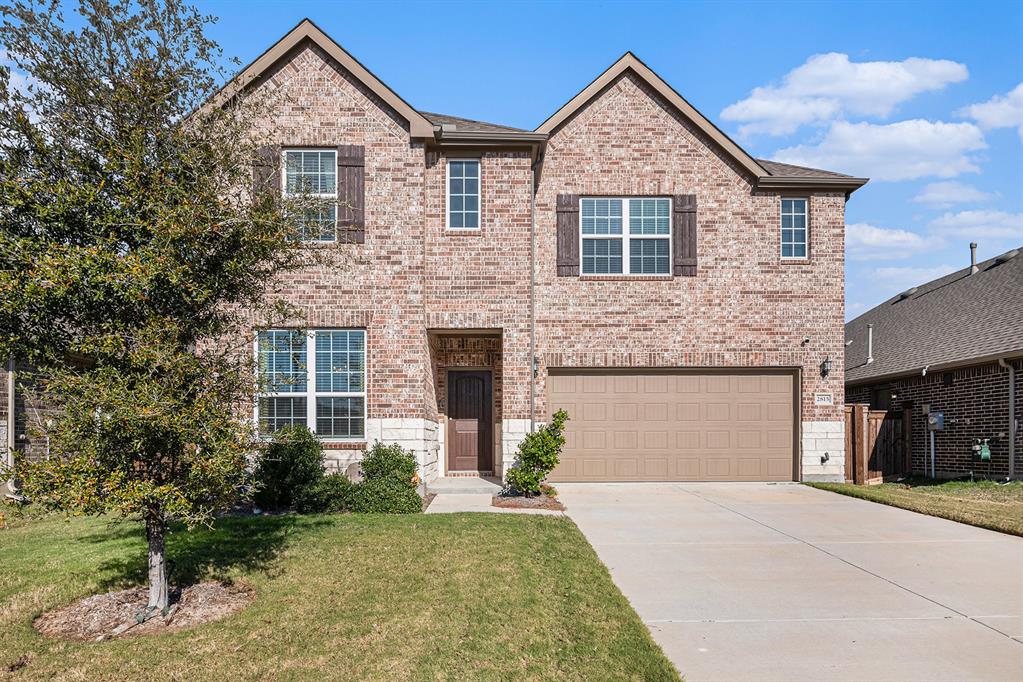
<point>454,503</point>
<point>784,582</point>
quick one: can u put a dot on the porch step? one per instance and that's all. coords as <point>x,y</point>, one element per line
<point>462,485</point>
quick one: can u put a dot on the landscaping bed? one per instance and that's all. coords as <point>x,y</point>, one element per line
<point>352,596</point>
<point>522,502</point>
<point>104,616</point>
<point>979,503</point>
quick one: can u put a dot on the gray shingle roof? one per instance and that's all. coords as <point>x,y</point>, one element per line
<point>788,170</point>
<point>467,124</point>
<point>952,320</point>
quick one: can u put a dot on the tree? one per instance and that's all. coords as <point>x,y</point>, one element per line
<point>135,258</point>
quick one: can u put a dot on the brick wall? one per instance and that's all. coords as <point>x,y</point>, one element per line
<point>744,308</point>
<point>975,401</point>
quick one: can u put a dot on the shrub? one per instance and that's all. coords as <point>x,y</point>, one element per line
<point>292,462</point>
<point>385,495</point>
<point>538,455</point>
<point>329,495</point>
<point>383,461</point>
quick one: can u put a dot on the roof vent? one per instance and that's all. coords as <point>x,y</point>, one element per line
<point>1008,255</point>
<point>907,293</point>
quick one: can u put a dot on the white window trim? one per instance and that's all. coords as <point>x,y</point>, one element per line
<point>626,237</point>
<point>311,394</point>
<point>447,194</point>
<point>806,215</point>
<point>330,196</point>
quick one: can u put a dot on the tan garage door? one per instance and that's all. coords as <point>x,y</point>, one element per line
<point>675,426</point>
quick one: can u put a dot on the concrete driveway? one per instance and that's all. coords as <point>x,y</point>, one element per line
<point>783,582</point>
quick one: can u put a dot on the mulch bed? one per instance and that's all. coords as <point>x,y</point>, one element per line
<point>519,502</point>
<point>96,617</point>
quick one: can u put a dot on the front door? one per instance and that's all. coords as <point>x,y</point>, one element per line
<point>470,434</point>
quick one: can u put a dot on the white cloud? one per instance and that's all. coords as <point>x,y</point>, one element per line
<point>829,86</point>
<point>945,194</point>
<point>897,151</point>
<point>1001,111</point>
<point>980,225</point>
<point>868,242</point>
<point>897,279</point>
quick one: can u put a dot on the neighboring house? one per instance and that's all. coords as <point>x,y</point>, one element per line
<point>955,346</point>
<point>625,261</point>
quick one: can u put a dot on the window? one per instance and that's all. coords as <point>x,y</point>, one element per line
<point>793,228</point>
<point>463,193</point>
<point>312,173</point>
<point>605,239</point>
<point>313,378</point>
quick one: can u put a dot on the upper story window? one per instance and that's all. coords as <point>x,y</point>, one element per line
<point>463,193</point>
<point>612,245</point>
<point>312,173</point>
<point>793,228</point>
<point>317,379</point>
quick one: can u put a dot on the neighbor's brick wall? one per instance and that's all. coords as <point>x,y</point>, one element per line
<point>745,307</point>
<point>976,405</point>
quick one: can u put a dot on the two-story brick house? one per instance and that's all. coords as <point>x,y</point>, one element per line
<point>625,260</point>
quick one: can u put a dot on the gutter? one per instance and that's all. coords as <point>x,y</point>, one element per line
<point>479,138</point>
<point>933,367</point>
<point>796,182</point>
<point>1012,416</point>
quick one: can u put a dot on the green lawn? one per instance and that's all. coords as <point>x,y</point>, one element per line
<point>980,503</point>
<point>440,597</point>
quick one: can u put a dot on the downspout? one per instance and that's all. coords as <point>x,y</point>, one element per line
<point>532,291</point>
<point>9,455</point>
<point>1012,416</point>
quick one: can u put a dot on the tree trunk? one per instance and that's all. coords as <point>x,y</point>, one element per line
<point>156,528</point>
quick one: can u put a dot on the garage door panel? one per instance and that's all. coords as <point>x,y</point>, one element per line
<point>719,440</point>
<point>687,440</point>
<point>626,384</point>
<point>688,412</point>
<point>626,440</point>
<point>626,412</point>
<point>655,412</point>
<point>684,426</point>
<point>595,412</point>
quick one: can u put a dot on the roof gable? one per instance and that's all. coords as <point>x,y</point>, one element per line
<point>419,126</point>
<point>628,62</point>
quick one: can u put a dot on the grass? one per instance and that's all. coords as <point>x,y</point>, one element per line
<point>978,503</point>
<point>439,597</point>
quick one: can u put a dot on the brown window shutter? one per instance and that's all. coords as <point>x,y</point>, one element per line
<point>568,235</point>
<point>351,193</point>
<point>683,232</point>
<point>266,171</point>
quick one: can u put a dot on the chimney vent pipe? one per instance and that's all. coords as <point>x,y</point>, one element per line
<point>870,343</point>
<point>973,258</point>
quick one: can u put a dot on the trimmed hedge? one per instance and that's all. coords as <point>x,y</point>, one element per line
<point>330,495</point>
<point>387,495</point>
<point>289,464</point>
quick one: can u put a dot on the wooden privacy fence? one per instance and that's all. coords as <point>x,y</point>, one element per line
<point>876,444</point>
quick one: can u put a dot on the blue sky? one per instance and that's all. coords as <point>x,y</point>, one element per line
<point>925,98</point>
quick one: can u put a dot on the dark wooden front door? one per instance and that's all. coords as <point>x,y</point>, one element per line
<point>470,426</point>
